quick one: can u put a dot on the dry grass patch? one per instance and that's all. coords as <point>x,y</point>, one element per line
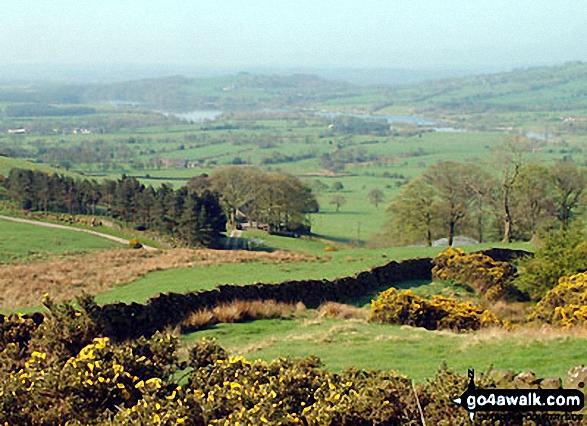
<point>524,335</point>
<point>240,311</point>
<point>342,311</point>
<point>23,284</point>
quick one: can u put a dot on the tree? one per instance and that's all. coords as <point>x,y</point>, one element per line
<point>276,199</point>
<point>482,186</point>
<point>569,184</point>
<point>376,196</point>
<point>510,157</point>
<point>453,192</point>
<point>237,187</point>
<point>413,213</point>
<point>338,201</point>
<point>532,201</point>
<point>337,186</point>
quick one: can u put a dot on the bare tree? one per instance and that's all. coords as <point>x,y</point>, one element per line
<point>510,158</point>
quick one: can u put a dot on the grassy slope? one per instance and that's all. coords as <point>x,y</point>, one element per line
<point>344,262</point>
<point>21,240</point>
<point>414,352</point>
<point>6,164</point>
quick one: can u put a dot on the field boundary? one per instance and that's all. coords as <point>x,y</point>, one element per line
<point>122,321</point>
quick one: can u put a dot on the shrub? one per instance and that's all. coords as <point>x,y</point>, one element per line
<point>134,243</point>
<point>403,307</point>
<point>564,305</point>
<point>562,253</point>
<point>138,382</point>
<point>489,278</point>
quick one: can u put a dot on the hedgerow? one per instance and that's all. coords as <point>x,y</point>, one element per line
<point>403,307</point>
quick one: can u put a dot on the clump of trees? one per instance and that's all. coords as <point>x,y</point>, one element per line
<point>280,201</point>
<point>453,197</point>
<point>194,218</point>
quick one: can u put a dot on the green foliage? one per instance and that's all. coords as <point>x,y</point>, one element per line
<point>561,253</point>
<point>196,219</point>
<point>206,352</point>
<point>565,304</point>
<point>137,382</point>
<point>278,200</point>
<point>403,307</point>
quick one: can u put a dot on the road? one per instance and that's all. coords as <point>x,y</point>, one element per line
<point>70,228</point>
<point>232,242</point>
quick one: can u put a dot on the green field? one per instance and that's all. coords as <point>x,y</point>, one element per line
<point>270,122</point>
<point>345,261</point>
<point>22,240</point>
<point>413,352</point>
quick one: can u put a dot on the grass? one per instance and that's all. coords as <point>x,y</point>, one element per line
<point>19,241</point>
<point>97,272</point>
<point>414,352</point>
<point>344,262</point>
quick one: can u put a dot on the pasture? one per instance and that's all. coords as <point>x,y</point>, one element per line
<point>413,352</point>
<point>21,241</point>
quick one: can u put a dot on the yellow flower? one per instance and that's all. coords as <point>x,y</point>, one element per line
<point>154,381</point>
<point>41,355</point>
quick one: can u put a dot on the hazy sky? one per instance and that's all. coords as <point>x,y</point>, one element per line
<point>294,33</point>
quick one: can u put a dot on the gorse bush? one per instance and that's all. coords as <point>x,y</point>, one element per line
<point>564,305</point>
<point>403,307</point>
<point>91,380</point>
<point>134,243</point>
<point>489,278</point>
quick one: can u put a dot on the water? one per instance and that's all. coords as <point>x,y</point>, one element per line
<point>406,119</point>
<point>197,116</point>
<point>450,130</point>
<point>122,103</point>
<point>539,136</point>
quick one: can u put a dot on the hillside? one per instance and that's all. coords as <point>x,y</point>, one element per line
<point>226,92</point>
<point>558,94</point>
<point>8,163</point>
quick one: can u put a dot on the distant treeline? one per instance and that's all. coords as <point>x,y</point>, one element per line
<point>40,110</point>
<point>193,218</point>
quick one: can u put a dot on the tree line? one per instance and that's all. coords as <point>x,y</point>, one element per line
<point>192,218</point>
<point>516,203</point>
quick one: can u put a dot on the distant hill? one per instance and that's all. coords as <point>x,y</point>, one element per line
<point>557,88</point>
<point>561,89</point>
<point>241,91</point>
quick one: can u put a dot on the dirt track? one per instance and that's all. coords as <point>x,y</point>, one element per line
<point>70,228</point>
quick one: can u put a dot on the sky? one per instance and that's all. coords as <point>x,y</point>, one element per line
<point>404,34</point>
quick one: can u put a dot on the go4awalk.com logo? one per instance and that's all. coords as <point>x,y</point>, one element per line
<point>518,400</point>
